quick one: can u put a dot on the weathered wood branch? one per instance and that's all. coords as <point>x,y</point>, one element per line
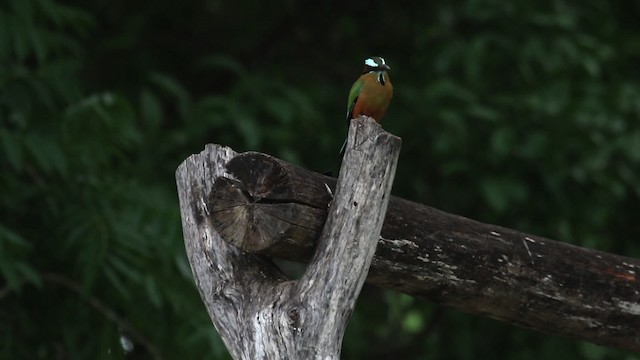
<point>479,268</point>
<point>258,312</point>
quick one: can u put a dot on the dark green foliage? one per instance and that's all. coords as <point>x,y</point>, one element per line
<point>523,113</point>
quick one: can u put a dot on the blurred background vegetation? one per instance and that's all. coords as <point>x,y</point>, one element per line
<point>521,113</point>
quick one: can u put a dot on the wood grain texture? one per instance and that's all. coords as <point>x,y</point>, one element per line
<point>257,311</point>
<point>479,268</point>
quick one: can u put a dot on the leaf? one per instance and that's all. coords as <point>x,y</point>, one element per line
<point>150,109</point>
<point>5,43</point>
<point>183,266</point>
<point>501,192</point>
<point>413,322</point>
<point>152,291</point>
<point>222,62</point>
<point>124,268</point>
<point>12,149</point>
<point>12,237</point>
<point>50,8</point>
<point>28,273</point>
<point>11,275</point>
<point>117,283</point>
<point>249,129</point>
<point>37,43</point>
<point>502,141</point>
<point>23,9</point>
<point>173,87</point>
<point>592,351</point>
<point>279,109</point>
<point>20,42</point>
<point>46,153</point>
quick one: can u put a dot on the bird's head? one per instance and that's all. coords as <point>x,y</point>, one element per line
<point>375,63</point>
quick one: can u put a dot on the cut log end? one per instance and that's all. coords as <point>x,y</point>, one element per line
<point>253,210</point>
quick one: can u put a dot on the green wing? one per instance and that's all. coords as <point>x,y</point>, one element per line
<point>353,97</point>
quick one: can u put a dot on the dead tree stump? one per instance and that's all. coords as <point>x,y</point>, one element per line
<point>259,313</point>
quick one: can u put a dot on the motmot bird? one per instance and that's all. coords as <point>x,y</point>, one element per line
<point>371,94</point>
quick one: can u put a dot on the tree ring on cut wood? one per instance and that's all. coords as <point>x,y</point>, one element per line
<point>249,209</point>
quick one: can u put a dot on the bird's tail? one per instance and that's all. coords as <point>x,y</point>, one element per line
<point>343,148</point>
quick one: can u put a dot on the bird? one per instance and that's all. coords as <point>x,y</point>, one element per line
<point>371,93</point>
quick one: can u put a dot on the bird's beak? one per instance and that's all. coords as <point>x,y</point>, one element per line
<point>385,67</point>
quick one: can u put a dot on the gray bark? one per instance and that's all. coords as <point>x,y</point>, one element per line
<point>259,313</point>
